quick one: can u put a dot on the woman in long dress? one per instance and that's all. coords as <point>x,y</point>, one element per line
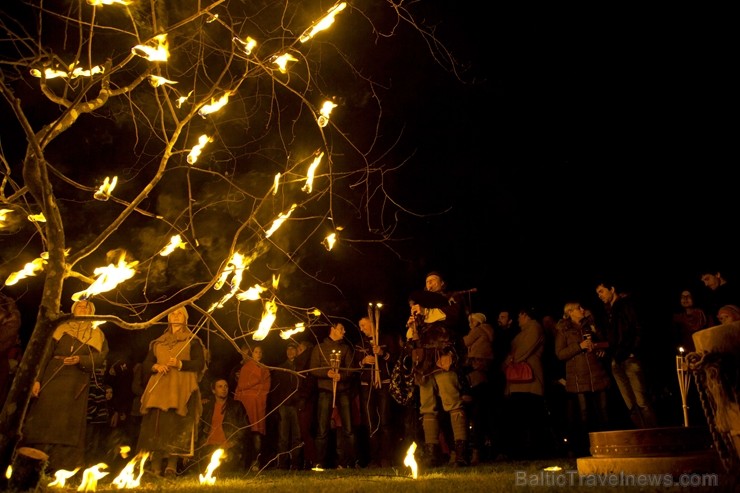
<point>56,421</point>
<point>171,403</point>
<point>252,387</point>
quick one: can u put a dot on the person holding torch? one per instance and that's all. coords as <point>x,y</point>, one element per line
<point>331,363</point>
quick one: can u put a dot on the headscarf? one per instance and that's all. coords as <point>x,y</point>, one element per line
<point>732,310</point>
<point>169,339</point>
<point>82,330</point>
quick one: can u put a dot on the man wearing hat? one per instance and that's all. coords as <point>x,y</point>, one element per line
<point>433,330</point>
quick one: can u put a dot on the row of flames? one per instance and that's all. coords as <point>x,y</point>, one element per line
<point>130,476</point>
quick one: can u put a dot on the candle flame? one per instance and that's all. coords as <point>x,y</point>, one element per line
<point>215,462</point>
<point>410,461</point>
<point>308,187</point>
<point>198,148</point>
<point>282,61</point>
<point>280,220</point>
<point>126,478</point>
<point>106,188</point>
<point>158,53</point>
<point>268,318</point>
<point>30,269</point>
<point>61,476</point>
<point>216,104</point>
<point>323,23</point>
<point>287,334</point>
<point>90,477</point>
<point>108,278</point>
<point>175,242</point>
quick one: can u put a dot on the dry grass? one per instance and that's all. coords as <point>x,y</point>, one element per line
<point>488,478</point>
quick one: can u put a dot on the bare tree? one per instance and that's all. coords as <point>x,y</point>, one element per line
<point>241,135</point>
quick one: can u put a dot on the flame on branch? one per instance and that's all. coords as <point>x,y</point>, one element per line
<point>247,45</point>
<point>100,3</point>
<point>109,277</point>
<point>324,23</point>
<point>216,104</point>
<point>106,188</point>
<point>282,61</point>
<point>268,318</point>
<point>308,187</point>
<point>158,53</point>
<point>175,242</point>
<point>287,334</point>
<point>198,148</point>
<point>324,112</point>
<point>280,220</point>
<point>156,81</point>
<point>30,269</point>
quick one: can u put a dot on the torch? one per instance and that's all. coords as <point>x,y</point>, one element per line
<point>375,321</point>
<point>334,362</point>
<point>684,381</point>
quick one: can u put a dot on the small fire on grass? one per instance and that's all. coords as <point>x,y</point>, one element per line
<point>410,461</point>
<point>126,478</point>
<point>61,476</point>
<point>208,478</point>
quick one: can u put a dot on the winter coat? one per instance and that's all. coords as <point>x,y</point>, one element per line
<point>584,371</point>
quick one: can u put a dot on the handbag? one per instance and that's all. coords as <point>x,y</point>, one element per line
<point>519,372</point>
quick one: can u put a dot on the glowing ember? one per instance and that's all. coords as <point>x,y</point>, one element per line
<point>410,461</point>
<point>8,472</point>
<point>90,477</point>
<point>215,462</point>
<point>324,23</point>
<point>308,187</point>
<point>106,188</point>
<point>108,278</point>
<point>37,218</point>
<point>61,477</point>
<point>268,318</point>
<point>280,220</point>
<point>126,478</point>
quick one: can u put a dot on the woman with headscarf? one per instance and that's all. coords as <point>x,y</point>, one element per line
<point>171,404</point>
<point>252,387</point>
<point>56,421</point>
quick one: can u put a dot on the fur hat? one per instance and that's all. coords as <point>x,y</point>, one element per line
<point>732,310</point>
<point>478,317</point>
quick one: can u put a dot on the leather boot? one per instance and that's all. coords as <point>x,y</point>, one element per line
<point>432,456</point>
<point>461,453</point>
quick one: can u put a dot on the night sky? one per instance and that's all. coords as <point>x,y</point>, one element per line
<point>577,141</point>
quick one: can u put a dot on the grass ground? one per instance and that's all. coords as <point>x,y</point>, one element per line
<point>496,477</point>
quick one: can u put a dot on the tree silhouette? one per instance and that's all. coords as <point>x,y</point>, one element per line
<point>239,133</point>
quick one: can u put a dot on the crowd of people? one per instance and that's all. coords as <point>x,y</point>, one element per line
<point>529,385</point>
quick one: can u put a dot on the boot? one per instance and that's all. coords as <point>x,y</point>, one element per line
<point>431,457</point>
<point>461,453</point>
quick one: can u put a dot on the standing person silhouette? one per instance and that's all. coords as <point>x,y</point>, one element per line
<point>624,332</point>
<point>57,420</point>
<point>171,403</point>
<point>434,329</point>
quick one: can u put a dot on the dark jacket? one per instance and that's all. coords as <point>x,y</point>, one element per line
<point>624,329</point>
<point>234,424</point>
<point>285,384</point>
<point>320,364</point>
<point>584,372</point>
<point>385,362</point>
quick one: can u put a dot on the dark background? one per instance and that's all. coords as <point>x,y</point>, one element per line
<point>576,141</point>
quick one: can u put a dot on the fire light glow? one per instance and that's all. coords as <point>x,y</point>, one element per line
<point>158,53</point>
<point>308,187</point>
<point>280,220</point>
<point>61,476</point>
<point>324,23</point>
<point>268,318</point>
<point>106,188</point>
<point>108,278</point>
<point>215,462</point>
<point>175,242</point>
<point>287,334</point>
<point>410,461</point>
<point>126,478</point>
<point>90,477</point>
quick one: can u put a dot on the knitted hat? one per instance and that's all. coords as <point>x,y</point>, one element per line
<point>733,311</point>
